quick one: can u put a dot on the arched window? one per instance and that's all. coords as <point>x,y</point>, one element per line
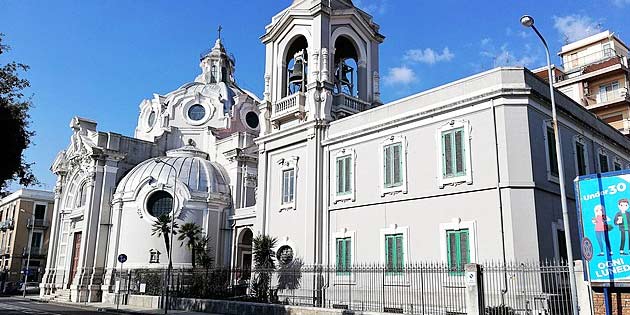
<point>296,71</point>
<point>346,73</point>
<point>81,196</point>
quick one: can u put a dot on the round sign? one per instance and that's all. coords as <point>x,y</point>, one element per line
<point>122,258</point>
<point>587,248</point>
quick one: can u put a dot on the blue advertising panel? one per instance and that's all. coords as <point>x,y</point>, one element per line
<point>605,225</point>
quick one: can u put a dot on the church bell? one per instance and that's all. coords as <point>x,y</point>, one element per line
<point>297,75</point>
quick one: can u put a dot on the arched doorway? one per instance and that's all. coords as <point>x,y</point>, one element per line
<point>244,253</point>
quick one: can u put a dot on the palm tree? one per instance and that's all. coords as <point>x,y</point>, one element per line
<point>203,252</point>
<point>162,228</point>
<point>190,233</point>
<point>262,249</point>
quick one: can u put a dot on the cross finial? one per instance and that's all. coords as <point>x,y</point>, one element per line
<point>219,29</point>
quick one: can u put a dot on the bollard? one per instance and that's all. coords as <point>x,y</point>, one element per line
<point>474,289</point>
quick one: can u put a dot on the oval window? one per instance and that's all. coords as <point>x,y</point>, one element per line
<point>151,120</point>
<point>252,120</point>
<point>160,203</point>
<point>196,112</point>
<point>285,254</point>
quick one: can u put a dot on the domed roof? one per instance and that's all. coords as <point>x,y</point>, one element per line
<point>193,169</point>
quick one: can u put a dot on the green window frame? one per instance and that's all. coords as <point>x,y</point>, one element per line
<point>551,152</point>
<point>394,253</point>
<point>344,254</point>
<point>453,153</point>
<point>581,158</point>
<point>344,175</point>
<point>603,163</point>
<point>457,250</point>
<point>288,186</point>
<point>392,165</point>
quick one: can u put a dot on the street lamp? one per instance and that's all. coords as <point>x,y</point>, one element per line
<point>528,21</point>
<point>170,247</point>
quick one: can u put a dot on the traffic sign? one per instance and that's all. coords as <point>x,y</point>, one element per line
<point>122,258</point>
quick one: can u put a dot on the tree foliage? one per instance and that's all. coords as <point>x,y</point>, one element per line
<point>162,228</point>
<point>190,233</point>
<point>264,265</point>
<point>14,124</point>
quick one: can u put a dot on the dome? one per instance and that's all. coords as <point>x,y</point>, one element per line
<point>193,169</point>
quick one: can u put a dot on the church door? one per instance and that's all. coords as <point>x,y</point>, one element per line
<point>76,249</point>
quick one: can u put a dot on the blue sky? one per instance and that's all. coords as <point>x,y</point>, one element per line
<point>99,59</point>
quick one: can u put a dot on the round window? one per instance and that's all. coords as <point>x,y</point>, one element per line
<point>160,203</point>
<point>196,112</point>
<point>151,120</point>
<point>252,120</point>
<point>285,254</point>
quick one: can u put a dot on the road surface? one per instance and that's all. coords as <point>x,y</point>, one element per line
<point>18,306</point>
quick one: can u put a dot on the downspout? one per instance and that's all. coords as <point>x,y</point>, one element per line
<point>500,202</point>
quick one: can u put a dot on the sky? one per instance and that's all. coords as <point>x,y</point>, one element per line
<point>100,59</point>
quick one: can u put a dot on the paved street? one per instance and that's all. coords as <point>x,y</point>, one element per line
<point>15,306</point>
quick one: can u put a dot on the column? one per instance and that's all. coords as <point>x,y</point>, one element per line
<point>48,281</point>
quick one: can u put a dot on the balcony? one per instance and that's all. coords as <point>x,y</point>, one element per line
<point>35,251</point>
<point>603,99</point>
<point>7,225</point>
<point>590,63</point>
<point>349,104</point>
<point>37,223</point>
<point>289,107</point>
<point>622,125</point>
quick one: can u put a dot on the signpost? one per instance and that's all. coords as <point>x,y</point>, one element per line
<point>122,258</point>
<point>604,217</point>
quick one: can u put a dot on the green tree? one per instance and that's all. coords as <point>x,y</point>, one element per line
<point>162,228</point>
<point>14,124</point>
<point>264,265</point>
<point>190,233</point>
<point>203,252</point>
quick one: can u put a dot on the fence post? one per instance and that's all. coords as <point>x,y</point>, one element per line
<point>474,289</point>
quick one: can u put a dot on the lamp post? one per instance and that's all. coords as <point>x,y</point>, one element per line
<point>528,21</point>
<point>28,248</point>
<point>170,247</point>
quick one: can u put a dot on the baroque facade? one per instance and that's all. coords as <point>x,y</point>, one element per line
<point>461,173</point>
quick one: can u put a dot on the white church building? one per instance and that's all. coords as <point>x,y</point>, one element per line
<point>464,172</point>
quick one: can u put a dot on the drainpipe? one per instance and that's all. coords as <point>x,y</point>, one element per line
<point>500,201</point>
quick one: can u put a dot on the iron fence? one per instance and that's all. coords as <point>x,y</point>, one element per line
<point>422,288</point>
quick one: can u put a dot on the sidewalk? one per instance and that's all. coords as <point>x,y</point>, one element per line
<point>123,309</point>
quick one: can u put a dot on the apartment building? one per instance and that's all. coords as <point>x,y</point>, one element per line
<point>595,74</point>
<point>23,212</point>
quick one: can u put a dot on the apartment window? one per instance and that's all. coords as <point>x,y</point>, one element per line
<point>36,242</point>
<point>394,253</point>
<point>288,186</point>
<point>606,50</point>
<point>573,58</point>
<point>603,162</point>
<point>552,157</point>
<point>453,153</point>
<point>40,212</point>
<point>616,164</point>
<point>344,175</point>
<point>393,165</point>
<point>458,250</point>
<point>580,157</point>
<point>344,254</point>
<point>608,91</point>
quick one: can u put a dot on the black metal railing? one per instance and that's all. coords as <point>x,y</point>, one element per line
<point>422,288</point>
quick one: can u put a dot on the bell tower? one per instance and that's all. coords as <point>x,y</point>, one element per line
<point>321,63</point>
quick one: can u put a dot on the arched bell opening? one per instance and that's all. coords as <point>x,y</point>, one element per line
<point>244,254</point>
<point>348,77</point>
<point>296,69</point>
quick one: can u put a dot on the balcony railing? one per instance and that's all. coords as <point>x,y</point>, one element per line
<point>574,64</point>
<point>38,223</point>
<point>34,251</point>
<point>611,96</point>
<point>7,225</point>
<point>288,106</point>
<point>349,103</point>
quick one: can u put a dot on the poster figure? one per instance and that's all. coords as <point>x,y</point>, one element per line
<point>622,220</point>
<point>600,221</point>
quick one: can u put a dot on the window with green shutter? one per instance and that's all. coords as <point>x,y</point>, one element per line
<point>344,255</point>
<point>580,156</point>
<point>344,175</point>
<point>551,152</point>
<point>288,186</point>
<point>394,253</point>
<point>393,165</point>
<point>603,163</point>
<point>453,153</point>
<point>458,250</point>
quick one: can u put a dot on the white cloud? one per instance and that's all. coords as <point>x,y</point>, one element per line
<point>428,55</point>
<point>575,27</point>
<point>520,33</point>
<point>505,57</point>
<point>372,6</point>
<point>400,75</point>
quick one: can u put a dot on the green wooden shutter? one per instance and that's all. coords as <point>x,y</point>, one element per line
<point>339,254</point>
<point>460,148</point>
<point>338,175</point>
<point>451,245</point>
<point>348,253</point>
<point>399,252</point>
<point>464,249</point>
<point>389,255</point>
<point>397,164</point>
<point>348,175</point>
<point>447,154</point>
<point>387,166</point>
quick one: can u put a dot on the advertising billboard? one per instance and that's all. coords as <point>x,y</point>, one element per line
<point>604,218</point>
